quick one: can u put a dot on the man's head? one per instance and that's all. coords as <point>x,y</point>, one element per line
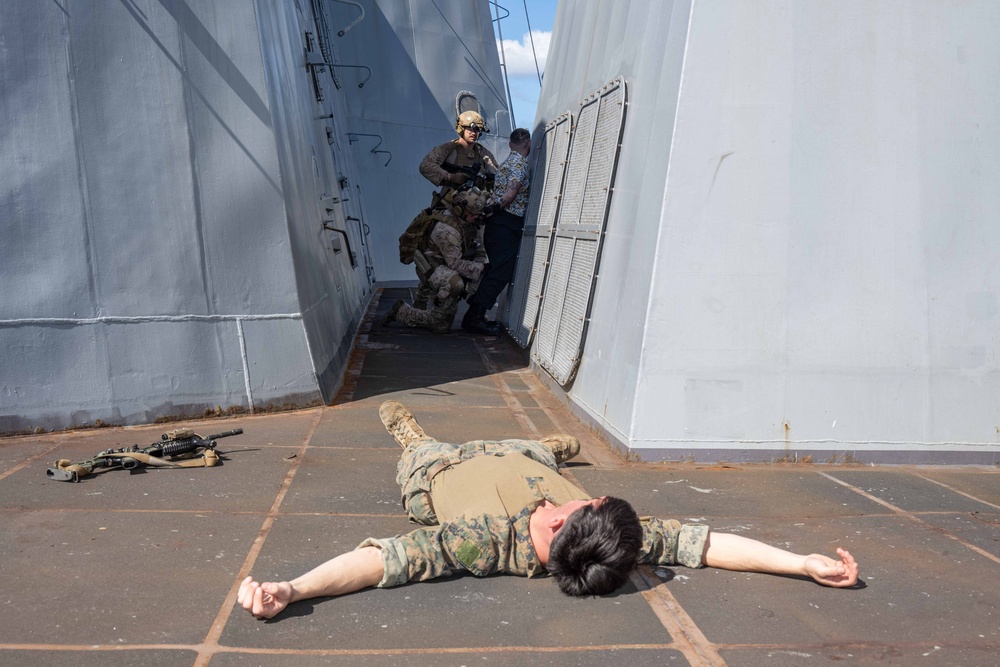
<point>596,548</point>
<point>469,125</point>
<point>467,204</point>
<point>520,141</point>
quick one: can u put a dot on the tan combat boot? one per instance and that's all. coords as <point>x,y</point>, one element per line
<point>400,423</point>
<point>563,446</point>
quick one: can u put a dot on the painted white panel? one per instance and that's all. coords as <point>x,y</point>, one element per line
<point>543,205</point>
<point>579,231</point>
<point>822,273</point>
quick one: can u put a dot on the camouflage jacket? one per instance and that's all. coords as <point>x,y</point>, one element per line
<point>667,542</point>
<point>457,250</point>
<point>482,545</point>
<point>451,151</point>
<point>486,544</point>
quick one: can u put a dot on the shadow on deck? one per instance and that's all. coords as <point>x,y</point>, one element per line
<point>142,568</point>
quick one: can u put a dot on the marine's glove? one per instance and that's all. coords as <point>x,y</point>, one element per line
<point>490,209</point>
<point>458,178</point>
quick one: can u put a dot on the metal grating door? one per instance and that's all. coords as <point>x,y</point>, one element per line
<point>579,231</point>
<point>523,296</point>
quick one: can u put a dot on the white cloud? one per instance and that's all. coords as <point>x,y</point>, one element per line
<point>519,58</point>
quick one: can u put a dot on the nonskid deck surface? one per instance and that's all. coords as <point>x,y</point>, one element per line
<point>142,568</point>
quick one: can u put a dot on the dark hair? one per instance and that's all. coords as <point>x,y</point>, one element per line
<point>519,136</point>
<point>597,547</point>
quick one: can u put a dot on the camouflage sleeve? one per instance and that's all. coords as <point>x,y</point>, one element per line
<point>449,245</point>
<point>667,542</point>
<point>429,553</point>
<point>430,166</point>
<point>393,560</point>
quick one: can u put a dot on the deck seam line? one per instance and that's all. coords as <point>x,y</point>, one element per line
<point>97,648</point>
<point>691,642</point>
<point>687,636</point>
<point>211,640</point>
<point>913,517</point>
<point>954,490</point>
<point>28,461</point>
<point>507,393</point>
<point>225,648</point>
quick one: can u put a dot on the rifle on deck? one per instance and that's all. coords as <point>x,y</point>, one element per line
<point>184,447</point>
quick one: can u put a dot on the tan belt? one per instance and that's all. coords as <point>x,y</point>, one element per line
<point>437,469</point>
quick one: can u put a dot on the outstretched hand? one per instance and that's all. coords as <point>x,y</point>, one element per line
<point>829,572</point>
<point>264,600</point>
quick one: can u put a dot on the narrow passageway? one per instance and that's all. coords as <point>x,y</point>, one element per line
<point>142,568</point>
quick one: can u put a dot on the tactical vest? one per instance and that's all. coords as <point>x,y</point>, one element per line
<point>484,181</point>
<point>416,234</point>
<point>498,485</point>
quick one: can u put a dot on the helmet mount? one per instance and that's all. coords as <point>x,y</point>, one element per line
<point>470,120</point>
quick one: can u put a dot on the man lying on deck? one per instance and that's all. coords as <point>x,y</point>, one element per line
<point>501,507</point>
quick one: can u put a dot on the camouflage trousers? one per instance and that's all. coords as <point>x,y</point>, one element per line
<point>426,457</point>
<point>443,289</point>
<point>438,318</point>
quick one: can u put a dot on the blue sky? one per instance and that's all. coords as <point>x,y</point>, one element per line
<point>517,51</point>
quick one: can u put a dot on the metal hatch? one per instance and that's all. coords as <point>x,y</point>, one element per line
<point>579,230</point>
<point>523,296</point>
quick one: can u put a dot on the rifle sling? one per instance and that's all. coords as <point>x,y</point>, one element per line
<point>208,459</point>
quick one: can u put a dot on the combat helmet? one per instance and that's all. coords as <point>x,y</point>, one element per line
<point>470,119</point>
<point>470,201</point>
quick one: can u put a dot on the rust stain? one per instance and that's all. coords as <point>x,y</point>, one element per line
<point>359,350</point>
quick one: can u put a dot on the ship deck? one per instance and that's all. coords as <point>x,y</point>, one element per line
<point>135,568</point>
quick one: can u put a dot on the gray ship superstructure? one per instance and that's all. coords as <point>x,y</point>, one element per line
<point>199,197</point>
<point>758,231</point>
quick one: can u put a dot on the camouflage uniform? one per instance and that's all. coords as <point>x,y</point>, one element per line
<point>488,534</point>
<point>452,151</point>
<point>459,259</point>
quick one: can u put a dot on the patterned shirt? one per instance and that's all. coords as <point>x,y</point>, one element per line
<point>496,543</point>
<point>515,167</point>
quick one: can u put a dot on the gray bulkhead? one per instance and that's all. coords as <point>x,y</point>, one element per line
<point>799,256</point>
<point>193,217</point>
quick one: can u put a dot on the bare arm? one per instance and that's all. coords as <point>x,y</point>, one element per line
<point>510,193</point>
<point>346,573</point>
<point>733,552</point>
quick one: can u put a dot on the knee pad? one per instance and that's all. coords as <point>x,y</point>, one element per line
<point>446,283</point>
